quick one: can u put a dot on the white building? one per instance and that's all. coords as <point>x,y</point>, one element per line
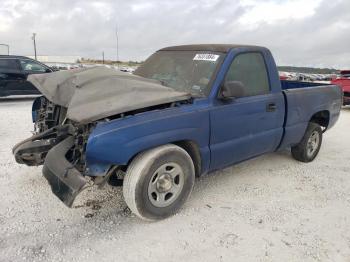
<point>57,59</point>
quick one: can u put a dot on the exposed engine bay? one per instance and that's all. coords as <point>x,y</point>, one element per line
<point>56,142</point>
<point>46,114</point>
<point>50,128</point>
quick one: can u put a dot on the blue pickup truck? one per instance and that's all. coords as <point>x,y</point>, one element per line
<point>186,111</point>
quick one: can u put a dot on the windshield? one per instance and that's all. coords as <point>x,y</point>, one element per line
<point>184,71</point>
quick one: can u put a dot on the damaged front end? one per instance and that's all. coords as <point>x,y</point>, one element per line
<point>75,102</point>
<point>60,146</point>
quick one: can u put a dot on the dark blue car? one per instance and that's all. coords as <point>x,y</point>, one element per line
<point>188,110</point>
<point>14,71</point>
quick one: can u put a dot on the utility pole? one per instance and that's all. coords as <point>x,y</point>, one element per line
<point>116,34</point>
<point>33,38</point>
<point>103,57</point>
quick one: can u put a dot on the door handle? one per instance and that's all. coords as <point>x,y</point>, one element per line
<point>271,107</point>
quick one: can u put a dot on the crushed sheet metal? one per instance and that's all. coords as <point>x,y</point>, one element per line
<point>94,93</point>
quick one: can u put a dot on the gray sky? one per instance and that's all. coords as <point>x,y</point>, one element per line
<point>298,32</point>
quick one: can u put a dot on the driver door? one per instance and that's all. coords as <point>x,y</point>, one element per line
<point>252,124</point>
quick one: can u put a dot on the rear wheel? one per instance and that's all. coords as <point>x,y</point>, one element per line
<point>158,182</point>
<point>310,145</point>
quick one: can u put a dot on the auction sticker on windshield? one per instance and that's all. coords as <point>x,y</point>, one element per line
<point>206,57</point>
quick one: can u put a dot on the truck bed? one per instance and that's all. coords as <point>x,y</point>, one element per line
<point>303,99</point>
<point>287,84</point>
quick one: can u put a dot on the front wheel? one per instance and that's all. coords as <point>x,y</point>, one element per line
<point>158,182</point>
<point>310,145</point>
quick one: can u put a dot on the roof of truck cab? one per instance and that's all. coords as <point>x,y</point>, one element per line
<point>224,48</point>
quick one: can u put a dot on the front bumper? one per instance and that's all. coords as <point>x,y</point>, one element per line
<point>65,180</point>
<point>32,151</point>
<point>52,148</point>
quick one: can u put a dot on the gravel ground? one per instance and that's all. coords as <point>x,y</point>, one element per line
<point>271,208</point>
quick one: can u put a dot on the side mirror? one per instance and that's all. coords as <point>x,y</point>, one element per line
<point>232,89</point>
<point>47,70</point>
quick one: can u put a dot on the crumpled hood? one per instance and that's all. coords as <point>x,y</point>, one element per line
<point>94,93</point>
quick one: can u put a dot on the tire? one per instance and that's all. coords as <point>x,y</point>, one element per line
<point>158,182</point>
<point>310,145</point>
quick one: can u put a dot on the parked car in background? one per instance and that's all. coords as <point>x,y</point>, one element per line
<point>127,69</point>
<point>55,68</point>
<point>14,71</point>
<point>344,82</point>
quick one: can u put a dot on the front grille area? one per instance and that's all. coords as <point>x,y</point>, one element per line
<point>48,115</point>
<point>76,155</point>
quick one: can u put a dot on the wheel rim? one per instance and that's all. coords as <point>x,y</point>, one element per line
<point>166,185</point>
<point>313,143</point>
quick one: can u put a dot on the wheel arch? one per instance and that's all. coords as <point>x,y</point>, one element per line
<point>321,118</point>
<point>190,146</point>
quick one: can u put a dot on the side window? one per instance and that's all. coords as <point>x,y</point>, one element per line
<point>28,65</point>
<point>8,64</point>
<point>250,69</point>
